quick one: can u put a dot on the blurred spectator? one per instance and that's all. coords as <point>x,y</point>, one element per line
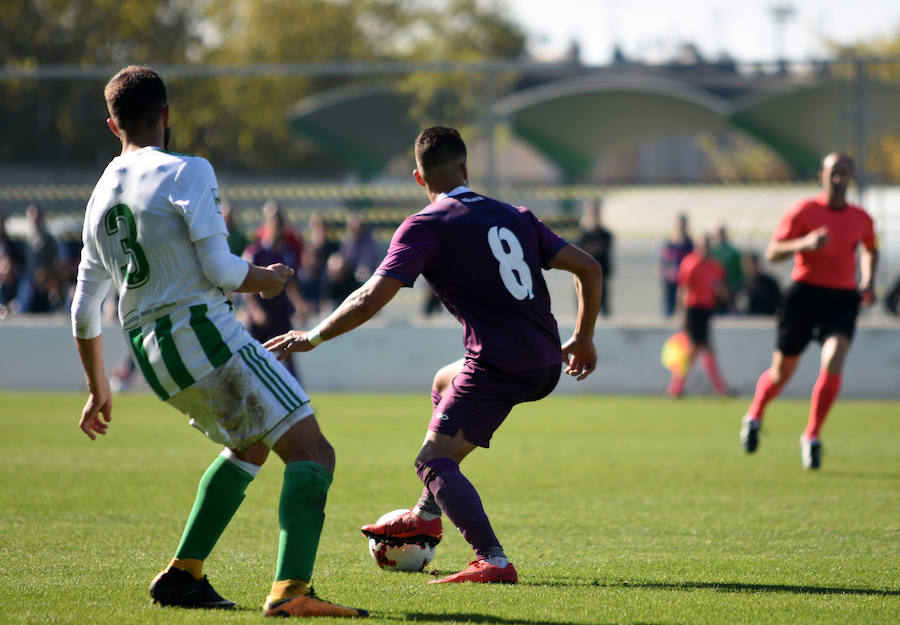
<point>273,217</point>
<point>431,303</point>
<point>48,290</point>
<point>892,301</point>
<point>702,282</point>
<point>674,249</point>
<point>761,290</point>
<point>340,279</point>
<point>354,262</point>
<point>15,250</point>
<point>270,317</point>
<point>237,239</point>
<point>597,241</point>
<point>730,259</point>
<point>40,289</point>
<point>9,283</point>
<point>43,250</point>
<point>359,249</point>
<point>12,264</point>
<point>312,275</point>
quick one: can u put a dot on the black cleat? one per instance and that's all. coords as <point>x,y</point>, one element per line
<point>811,453</point>
<point>749,434</point>
<point>174,587</point>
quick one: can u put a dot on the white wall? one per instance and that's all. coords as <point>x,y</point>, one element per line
<point>40,354</point>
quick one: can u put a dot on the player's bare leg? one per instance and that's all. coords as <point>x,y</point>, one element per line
<point>768,387</point>
<point>825,391</point>
<point>444,376</point>
<point>783,367</point>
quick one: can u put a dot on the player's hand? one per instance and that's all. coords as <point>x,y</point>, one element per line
<point>816,239</point>
<point>867,295</point>
<point>97,414</point>
<point>580,357</point>
<point>294,341</point>
<point>279,274</point>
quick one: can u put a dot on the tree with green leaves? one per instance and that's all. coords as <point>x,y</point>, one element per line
<point>57,121</point>
<point>239,121</point>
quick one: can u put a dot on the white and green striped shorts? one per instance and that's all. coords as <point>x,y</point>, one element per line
<point>249,398</point>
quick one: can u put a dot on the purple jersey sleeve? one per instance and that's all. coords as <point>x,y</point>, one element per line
<point>413,245</point>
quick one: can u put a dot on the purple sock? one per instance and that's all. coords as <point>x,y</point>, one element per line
<point>427,505</point>
<point>460,502</point>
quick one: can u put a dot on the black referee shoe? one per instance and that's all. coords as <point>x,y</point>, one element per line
<point>811,453</point>
<point>174,587</point>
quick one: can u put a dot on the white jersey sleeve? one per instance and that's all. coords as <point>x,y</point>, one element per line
<point>91,287</point>
<point>91,267</point>
<point>196,194</point>
<point>87,304</point>
<point>223,268</point>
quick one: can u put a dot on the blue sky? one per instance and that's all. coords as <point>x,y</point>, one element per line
<point>651,29</point>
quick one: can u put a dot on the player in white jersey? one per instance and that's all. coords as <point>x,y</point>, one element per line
<point>154,229</point>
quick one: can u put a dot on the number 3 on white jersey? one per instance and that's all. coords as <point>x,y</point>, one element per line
<point>514,270</point>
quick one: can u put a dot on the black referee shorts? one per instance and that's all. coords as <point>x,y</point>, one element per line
<point>815,312</point>
<point>696,324</point>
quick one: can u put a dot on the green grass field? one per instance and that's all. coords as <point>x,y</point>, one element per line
<point>614,510</point>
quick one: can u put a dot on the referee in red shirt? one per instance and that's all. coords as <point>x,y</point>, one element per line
<point>823,234</point>
<point>701,285</point>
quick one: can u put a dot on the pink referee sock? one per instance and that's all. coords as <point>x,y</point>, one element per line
<point>708,360</point>
<point>766,391</point>
<point>676,385</point>
<point>826,390</point>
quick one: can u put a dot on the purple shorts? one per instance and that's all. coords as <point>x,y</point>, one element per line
<point>479,399</point>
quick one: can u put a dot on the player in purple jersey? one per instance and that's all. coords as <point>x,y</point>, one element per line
<point>483,258</point>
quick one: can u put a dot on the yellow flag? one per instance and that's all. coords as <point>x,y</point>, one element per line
<point>675,353</point>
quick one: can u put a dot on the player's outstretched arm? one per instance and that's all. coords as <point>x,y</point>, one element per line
<point>233,273</point>
<point>97,412</point>
<point>359,307</point>
<point>267,281</point>
<point>782,250</point>
<point>578,352</point>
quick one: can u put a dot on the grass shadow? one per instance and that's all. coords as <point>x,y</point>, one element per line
<point>736,587</point>
<point>471,617</point>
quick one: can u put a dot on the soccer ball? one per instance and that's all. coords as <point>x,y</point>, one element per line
<point>397,554</point>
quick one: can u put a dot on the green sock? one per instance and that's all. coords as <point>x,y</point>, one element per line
<point>219,495</point>
<point>301,513</point>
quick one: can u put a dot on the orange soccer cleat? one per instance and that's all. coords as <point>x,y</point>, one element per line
<point>482,572</point>
<point>309,605</point>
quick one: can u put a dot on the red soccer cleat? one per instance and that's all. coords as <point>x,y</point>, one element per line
<point>482,572</point>
<point>407,526</point>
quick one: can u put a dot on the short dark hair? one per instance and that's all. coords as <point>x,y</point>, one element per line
<point>438,146</point>
<point>840,156</point>
<point>135,97</point>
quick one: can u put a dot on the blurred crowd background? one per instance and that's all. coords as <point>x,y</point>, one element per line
<point>307,110</point>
